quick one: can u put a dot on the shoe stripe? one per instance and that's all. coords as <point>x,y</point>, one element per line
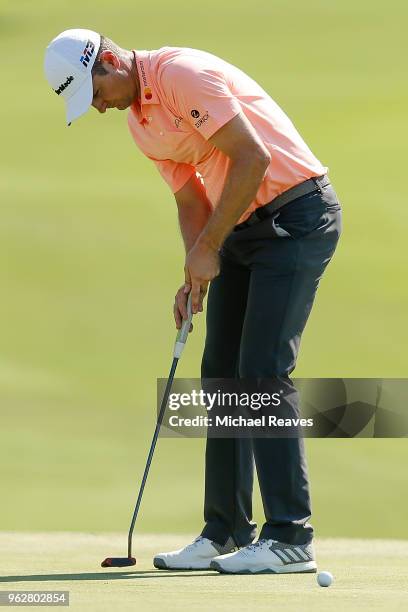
<point>281,555</point>
<point>291,553</point>
<point>303,554</point>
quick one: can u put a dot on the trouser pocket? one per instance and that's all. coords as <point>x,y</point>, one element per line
<point>307,214</point>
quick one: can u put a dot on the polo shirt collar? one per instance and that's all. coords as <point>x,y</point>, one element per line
<point>148,93</point>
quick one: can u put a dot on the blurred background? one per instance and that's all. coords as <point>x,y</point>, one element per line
<point>90,259</point>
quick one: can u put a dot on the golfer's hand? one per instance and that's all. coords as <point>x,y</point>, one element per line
<point>202,265</point>
<point>180,306</point>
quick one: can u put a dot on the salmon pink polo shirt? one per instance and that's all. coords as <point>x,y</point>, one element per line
<point>186,96</point>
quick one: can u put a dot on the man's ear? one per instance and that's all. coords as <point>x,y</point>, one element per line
<point>108,58</point>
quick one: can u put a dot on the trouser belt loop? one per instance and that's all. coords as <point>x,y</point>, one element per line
<point>318,180</point>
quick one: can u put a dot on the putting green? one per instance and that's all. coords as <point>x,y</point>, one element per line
<point>369,575</point>
<point>90,258</point>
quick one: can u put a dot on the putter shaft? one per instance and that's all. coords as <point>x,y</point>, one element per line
<point>151,452</point>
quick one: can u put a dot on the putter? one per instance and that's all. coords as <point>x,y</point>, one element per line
<point>181,340</point>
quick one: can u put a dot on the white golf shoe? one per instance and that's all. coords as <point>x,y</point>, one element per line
<point>195,556</point>
<point>267,557</point>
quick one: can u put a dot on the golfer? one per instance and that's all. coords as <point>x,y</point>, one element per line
<point>260,222</point>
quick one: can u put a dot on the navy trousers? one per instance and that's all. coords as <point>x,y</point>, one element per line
<point>257,309</point>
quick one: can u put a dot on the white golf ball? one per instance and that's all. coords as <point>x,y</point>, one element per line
<point>324,579</point>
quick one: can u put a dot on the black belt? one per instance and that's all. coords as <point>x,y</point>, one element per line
<point>268,210</point>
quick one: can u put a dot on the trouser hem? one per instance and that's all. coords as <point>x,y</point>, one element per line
<point>287,534</point>
<point>220,535</point>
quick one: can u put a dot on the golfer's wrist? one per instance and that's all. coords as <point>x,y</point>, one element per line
<point>209,242</point>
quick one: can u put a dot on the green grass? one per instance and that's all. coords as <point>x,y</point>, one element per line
<point>368,575</point>
<point>90,258</point>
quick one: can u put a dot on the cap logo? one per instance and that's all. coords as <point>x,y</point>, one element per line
<point>87,53</point>
<point>64,85</point>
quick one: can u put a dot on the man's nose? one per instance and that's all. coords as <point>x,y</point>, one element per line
<point>100,106</point>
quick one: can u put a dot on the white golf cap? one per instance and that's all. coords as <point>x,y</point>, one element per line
<point>68,63</point>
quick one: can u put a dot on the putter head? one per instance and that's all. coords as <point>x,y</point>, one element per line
<point>118,562</point>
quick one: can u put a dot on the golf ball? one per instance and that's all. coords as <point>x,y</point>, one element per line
<point>324,579</point>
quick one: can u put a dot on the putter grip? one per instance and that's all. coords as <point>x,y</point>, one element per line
<point>182,335</point>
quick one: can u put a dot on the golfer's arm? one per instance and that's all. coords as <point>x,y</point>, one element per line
<point>249,160</point>
<point>194,210</point>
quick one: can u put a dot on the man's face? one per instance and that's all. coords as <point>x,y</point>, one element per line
<point>113,90</point>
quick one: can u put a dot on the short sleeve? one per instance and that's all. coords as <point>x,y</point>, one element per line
<point>175,174</point>
<point>200,95</point>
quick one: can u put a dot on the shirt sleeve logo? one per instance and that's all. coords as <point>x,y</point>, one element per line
<point>202,120</point>
<point>87,53</point>
<point>195,114</point>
